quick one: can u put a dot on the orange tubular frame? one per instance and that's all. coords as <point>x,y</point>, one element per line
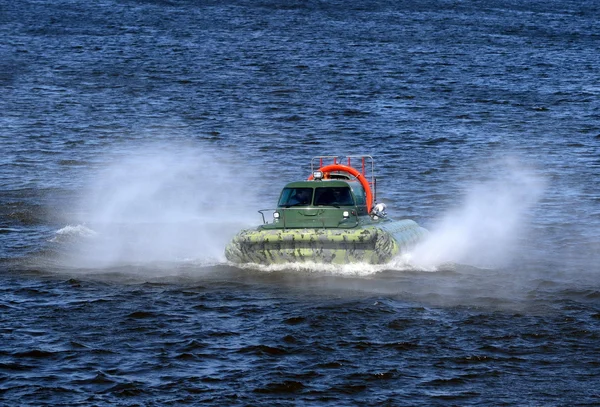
<point>350,170</point>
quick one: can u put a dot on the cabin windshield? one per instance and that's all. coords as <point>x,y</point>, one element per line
<point>296,197</point>
<point>333,196</point>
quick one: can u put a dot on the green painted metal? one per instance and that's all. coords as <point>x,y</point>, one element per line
<point>314,217</point>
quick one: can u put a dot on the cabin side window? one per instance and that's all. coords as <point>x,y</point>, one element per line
<point>359,193</point>
<point>295,197</point>
<point>334,196</point>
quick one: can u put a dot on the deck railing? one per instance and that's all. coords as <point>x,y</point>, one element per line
<point>365,165</point>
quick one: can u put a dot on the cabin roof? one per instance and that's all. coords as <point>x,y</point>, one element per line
<point>315,184</point>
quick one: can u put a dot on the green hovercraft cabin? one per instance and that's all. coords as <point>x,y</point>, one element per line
<point>332,217</point>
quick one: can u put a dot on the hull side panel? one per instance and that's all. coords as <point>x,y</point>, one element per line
<point>374,244</point>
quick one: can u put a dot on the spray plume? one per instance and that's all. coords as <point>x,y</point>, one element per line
<point>486,230</point>
<point>164,205</point>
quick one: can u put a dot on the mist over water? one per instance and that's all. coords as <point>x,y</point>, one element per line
<point>488,226</point>
<point>162,205</point>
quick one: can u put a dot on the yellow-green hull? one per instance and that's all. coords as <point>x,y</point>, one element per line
<point>375,244</point>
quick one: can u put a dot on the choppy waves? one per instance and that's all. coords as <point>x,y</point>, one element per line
<point>137,137</point>
<point>237,338</point>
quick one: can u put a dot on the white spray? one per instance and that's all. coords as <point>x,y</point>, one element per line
<point>164,205</point>
<point>486,229</point>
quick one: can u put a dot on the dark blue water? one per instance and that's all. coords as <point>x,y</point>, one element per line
<point>137,137</point>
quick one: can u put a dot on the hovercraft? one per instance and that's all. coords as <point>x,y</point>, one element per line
<point>332,217</point>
